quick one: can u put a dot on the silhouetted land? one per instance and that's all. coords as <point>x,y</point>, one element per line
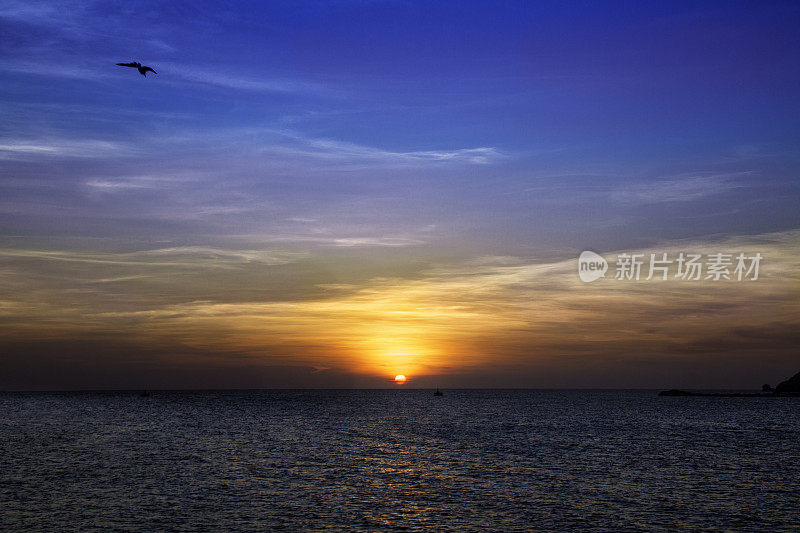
<point>790,387</point>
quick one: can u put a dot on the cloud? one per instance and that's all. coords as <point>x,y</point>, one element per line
<point>39,13</point>
<point>181,256</point>
<point>217,76</point>
<point>487,314</point>
<point>60,70</point>
<point>83,148</point>
<point>116,185</point>
<point>347,151</point>
<point>154,181</point>
<point>632,191</point>
<point>682,188</point>
<point>374,241</point>
<point>174,74</point>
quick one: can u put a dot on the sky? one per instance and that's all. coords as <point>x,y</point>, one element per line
<point>327,194</point>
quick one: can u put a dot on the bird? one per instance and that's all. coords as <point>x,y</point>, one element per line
<point>137,65</point>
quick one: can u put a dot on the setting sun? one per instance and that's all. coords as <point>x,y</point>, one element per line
<point>399,379</point>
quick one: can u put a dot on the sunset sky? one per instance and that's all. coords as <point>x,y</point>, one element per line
<point>327,194</point>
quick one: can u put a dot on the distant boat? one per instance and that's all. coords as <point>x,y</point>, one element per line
<point>438,393</point>
<point>145,394</point>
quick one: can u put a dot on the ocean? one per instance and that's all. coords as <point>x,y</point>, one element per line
<point>398,460</point>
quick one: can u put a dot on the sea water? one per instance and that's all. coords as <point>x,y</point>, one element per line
<point>470,460</point>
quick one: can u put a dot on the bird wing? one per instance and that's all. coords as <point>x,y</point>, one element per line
<point>148,68</point>
<point>127,64</point>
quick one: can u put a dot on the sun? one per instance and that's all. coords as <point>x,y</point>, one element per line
<point>399,379</point>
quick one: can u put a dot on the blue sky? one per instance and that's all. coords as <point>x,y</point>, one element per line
<point>362,141</point>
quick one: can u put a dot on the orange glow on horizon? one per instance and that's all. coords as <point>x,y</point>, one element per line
<point>399,379</point>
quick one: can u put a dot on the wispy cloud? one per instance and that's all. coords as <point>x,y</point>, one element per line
<point>347,151</point>
<point>37,148</point>
<point>69,20</point>
<point>174,257</point>
<point>681,188</point>
<point>220,77</point>
<point>121,184</point>
<point>175,75</point>
<point>487,313</point>
<point>59,70</point>
<point>312,237</point>
<point>627,191</point>
<point>36,12</point>
<point>375,241</point>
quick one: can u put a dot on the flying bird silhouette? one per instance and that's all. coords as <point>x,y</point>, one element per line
<point>137,65</point>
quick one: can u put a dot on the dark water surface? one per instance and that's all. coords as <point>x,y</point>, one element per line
<point>399,459</point>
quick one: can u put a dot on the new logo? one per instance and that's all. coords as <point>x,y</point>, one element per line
<point>591,266</point>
